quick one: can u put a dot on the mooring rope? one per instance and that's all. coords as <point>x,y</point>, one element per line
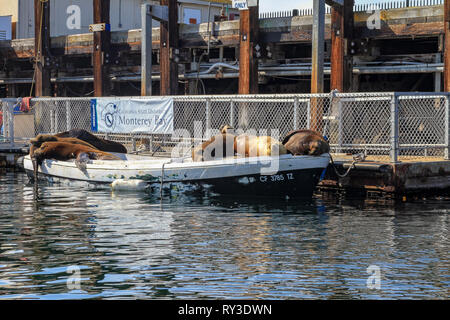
<point>356,158</point>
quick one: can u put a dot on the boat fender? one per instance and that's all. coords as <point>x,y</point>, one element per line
<point>129,185</point>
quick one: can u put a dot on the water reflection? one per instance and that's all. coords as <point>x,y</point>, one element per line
<point>134,246</point>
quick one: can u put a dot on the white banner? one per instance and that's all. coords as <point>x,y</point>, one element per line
<point>116,115</point>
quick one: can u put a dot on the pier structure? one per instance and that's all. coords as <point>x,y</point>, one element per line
<point>343,49</point>
<point>366,48</point>
<point>390,143</point>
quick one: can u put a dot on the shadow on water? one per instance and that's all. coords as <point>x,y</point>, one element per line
<point>81,243</point>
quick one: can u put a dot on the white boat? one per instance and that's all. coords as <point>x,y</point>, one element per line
<point>286,175</point>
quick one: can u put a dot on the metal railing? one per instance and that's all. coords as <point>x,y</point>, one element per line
<point>386,126</point>
<point>387,5</point>
<point>7,137</point>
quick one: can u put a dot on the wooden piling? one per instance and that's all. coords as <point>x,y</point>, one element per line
<point>248,62</point>
<point>341,33</point>
<point>101,50</point>
<point>169,44</point>
<point>447,45</point>
<point>42,48</point>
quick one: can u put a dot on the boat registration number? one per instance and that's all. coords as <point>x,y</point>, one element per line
<point>277,177</point>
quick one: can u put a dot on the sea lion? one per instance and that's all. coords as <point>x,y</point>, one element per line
<point>227,129</point>
<point>254,146</point>
<point>99,143</point>
<point>218,147</point>
<point>64,151</point>
<point>41,138</point>
<point>306,142</point>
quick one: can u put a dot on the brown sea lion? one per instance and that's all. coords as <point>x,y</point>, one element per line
<point>41,138</point>
<point>306,142</point>
<point>254,146</point>
<point>227,129</point>
<point>65,151</point>
<point>218,147</point>
<point>99,143</point>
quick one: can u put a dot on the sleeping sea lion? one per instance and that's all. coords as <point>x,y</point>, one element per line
<point>306,142</point>
<point>253,146</point>
<point>65,151</point>
<point>41,138</point>
<point>218,147</point>
<point>99,143</point>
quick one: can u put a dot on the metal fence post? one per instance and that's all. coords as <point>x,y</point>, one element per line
<point>340,125</point>
<point>3,110</point>
<point>308,115</point>
<point>232,113</point>
<point>296,113</point>
<point>394,118</point>
<point>11,122</point>
<point>208,116</point>
<point>447,128</point>
<point>57,124</point>
<point>68,116</point>
<point>8,122</point>
<point>52,121</point>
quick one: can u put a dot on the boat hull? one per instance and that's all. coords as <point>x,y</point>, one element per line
<point>294,176</point>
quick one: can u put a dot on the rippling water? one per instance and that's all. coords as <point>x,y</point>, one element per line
<point>79,243</point>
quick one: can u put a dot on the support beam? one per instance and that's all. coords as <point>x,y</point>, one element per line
<point>447,45</point>
<point>146,51</point>
<point>101,50</point>
<point>318,46</point>
<point>248,63</point>
<point>341,33</point>
<point>169,42</point>
<point>42,48</point>
<point>438,75</point>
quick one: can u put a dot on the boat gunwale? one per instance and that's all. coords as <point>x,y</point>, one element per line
<point>173,164</point>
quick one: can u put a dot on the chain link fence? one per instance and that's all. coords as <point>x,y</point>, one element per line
<point>16,126</point>
<point>384,126</point>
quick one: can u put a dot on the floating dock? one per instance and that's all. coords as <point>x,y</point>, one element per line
<point>428,175</point>
<point>9,154</point>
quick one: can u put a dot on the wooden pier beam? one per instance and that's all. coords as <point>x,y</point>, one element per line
<point>341,32</point>
<point>169,44</point>
<point>447,45</point>
<point>101,50</point>
<point>42,48</point>
<point>248,63</point>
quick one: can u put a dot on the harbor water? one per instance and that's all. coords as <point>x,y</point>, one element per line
<point>82,243</point>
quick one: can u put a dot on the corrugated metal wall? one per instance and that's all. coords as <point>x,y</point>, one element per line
<point>5,28</point>
<point>125,15</point>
